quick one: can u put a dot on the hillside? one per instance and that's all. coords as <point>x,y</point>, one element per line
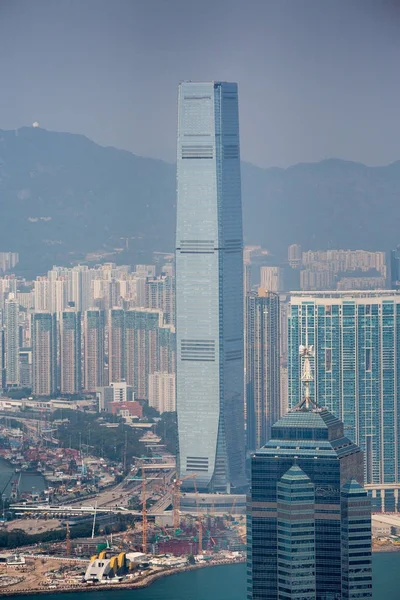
<point>63,196</point>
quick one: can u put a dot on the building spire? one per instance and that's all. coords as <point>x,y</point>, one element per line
<point>306,403</point>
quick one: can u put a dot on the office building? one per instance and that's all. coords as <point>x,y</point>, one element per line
<point>209,287</point>
<point>11,332</point>
<point>262,367</point>
<point>357,368</point>
<point>94,351</point>
<point>70,352</point>
<point>116,393</point>
<point>44,354</point>
<point>308,516</point>
<point>162,392</point>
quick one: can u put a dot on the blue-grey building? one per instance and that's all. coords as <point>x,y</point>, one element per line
<point>356,336</point>
<point>308,516</point>
<point>262,366</point>
<point>209,287</point>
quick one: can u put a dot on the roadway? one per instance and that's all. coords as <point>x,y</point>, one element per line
<point>63,510</point>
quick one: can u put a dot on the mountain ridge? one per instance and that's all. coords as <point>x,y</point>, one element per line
<point>63,196</point>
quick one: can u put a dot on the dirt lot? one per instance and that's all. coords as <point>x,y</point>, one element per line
<point>32,526</point>
<point>33,573</point>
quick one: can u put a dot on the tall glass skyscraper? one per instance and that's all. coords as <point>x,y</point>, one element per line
<point>308,516</point>
<point>209,287</point>
<point>356,336</point>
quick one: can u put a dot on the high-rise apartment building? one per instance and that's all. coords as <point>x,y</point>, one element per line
<point>162,392</point>
<point>356,368</point>
<point>271,279</point>
<point>116,345</point>
<point>70,352</point>
<point>44,354</point>
<point>25,368</point>
<point>8,260</point>
<point>308,516</point>
<point>94,351</point>
<point>160,294</point>
<point>294,256</point>
<point>209,286</point>
<point>262,367</point>
<point>11,323</point>
<point>141,348</point>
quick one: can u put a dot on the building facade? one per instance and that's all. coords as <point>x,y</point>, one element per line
<point>209,286</point>
<point>94,350</point>
<point>271,279</point>
<point>142,348</point>
<point>70,352</point>
<point>262,367</point>
<point>356,368</point>
<point>116,345</point>
<point>308,516</point>
<point>162,392</point>
<point>11,322</point>
<point>44,354</point>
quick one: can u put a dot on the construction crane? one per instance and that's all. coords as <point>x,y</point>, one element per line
<point>2,494</point>
<point>176,497</point>
<point>233,507</point>
<point>177,506</point>
<point>144,480</point>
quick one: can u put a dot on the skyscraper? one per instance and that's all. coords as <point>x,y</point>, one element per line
<point>70,351</point>
<point>308,516</point>
<point>11,315</point>
<point>44,354</point>
<point>262,367</point>
<point>209,286</point>
<point>93,337</point>
<point>356,368</point>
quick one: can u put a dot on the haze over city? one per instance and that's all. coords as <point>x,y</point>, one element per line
<point>317,79</point>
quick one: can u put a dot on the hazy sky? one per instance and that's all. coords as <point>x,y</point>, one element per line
<point>317,78</point>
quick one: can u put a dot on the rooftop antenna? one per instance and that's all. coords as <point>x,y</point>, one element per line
<point>306,403</point>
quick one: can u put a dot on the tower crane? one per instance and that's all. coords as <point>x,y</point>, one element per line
<point>177,506</point>
<point>144,480</point>
<point>68,540</point>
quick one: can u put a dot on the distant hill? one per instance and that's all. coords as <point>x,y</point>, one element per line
<point>62,196</point>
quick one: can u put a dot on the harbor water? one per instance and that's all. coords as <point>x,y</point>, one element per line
<point>28,482</point>
<point>228,582</point>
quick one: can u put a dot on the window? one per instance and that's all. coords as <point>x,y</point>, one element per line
<point>328,360</point>
<point>368,359</point>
